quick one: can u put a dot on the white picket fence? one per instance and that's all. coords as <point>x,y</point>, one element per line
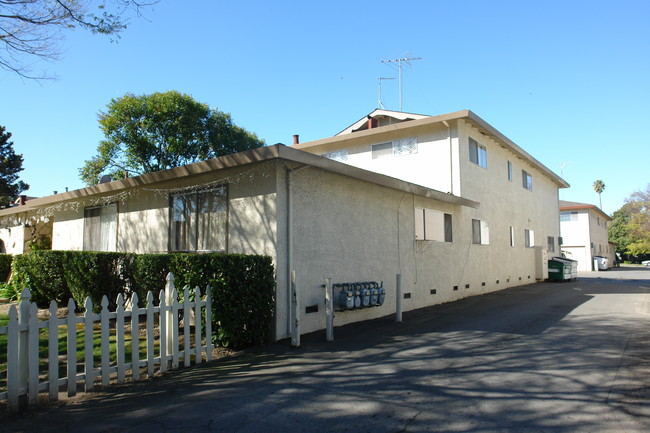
<point>25,380</point>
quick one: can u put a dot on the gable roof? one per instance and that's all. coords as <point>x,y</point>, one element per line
<point>376,114</point>
<point>343,140</point>
<point>267,153</point>
<point>573,205</point>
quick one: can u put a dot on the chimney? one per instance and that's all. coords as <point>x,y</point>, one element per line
<point>296,139</point>
<point>372,123</point>
<point>22,200</point>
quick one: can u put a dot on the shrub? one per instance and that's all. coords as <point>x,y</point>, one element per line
<point>242,287</point>
<point>5,266</point>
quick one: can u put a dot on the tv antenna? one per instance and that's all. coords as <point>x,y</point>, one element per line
<point>379,80</point>
<point>406,60</point>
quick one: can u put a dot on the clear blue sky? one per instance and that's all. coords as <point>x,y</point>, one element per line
<point>568,81</point>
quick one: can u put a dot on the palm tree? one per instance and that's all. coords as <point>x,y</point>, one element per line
<point>599,186</point>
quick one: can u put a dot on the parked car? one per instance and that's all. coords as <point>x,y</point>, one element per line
<point>646,263</point>
<point>603,263</point>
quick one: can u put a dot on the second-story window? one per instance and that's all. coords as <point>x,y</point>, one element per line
<point>404,146</point>
<point>527,180</point>
<point>477,153</point>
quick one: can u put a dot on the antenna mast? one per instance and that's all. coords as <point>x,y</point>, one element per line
<point>399,62</point>
<point>381,105</point>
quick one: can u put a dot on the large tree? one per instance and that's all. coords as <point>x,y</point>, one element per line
<point>10,165</point>
<point>147,133</point>
<point>630,229</point>
<point>32,29</point>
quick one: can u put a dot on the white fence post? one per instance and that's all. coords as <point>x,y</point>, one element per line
<point>329,310</point>
<point>23,340</point>
<point>12,360</point>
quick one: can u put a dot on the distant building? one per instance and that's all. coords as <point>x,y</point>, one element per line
<point>584,234</point>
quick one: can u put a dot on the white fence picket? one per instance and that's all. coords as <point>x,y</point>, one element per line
<point>120,343</point>
<point>71,349</point>
<point>89,363</point>
<point>23,336</point>
<point>135,338</point>
<point>104,342</point>
<point>53,352</point>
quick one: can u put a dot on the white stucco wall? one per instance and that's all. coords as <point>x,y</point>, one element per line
<point>585,237</point>
<point>13,238</point>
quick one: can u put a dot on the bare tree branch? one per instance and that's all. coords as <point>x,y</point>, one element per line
<point>34,29</point>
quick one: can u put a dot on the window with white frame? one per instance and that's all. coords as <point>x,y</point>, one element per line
<point>568,216</point>
<point>432,225</point>
<point>100,228</point>
<point>529,238</point>
<point>404,146</point>
<point>480,232</point>
<point>477,153</point>
<point>199,220</point>
<point>526,180</point>
<point>550,240</point>
<point>510,171</point>
<point>337,155</point>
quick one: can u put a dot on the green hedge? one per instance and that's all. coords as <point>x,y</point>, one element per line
<point>242,286</point>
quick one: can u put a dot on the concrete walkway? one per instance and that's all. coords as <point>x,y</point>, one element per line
<point>550,357</point>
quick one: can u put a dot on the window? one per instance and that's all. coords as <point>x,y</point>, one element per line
<point>382,150</point>
<point>477,153</point>
<point>431,225</point>
<point>550,240</point>
<point>480,232</point>
<point>512,236</point>
<point>568,216</point>
<point>100,228</point>
<point>198,221</point>
<point>405,146</point>
<point>338,155</point>
<point>527,180</point>
<point>529,237</point>
<point>510,171</point>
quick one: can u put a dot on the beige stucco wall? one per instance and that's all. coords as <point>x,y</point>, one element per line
<point>349,230</point>
<point>143,214</point>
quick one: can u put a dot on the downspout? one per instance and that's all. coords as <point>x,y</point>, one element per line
<point>289,252</point>
<point>451,158</point>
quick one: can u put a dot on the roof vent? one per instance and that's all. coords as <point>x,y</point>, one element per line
<point>105,178</point>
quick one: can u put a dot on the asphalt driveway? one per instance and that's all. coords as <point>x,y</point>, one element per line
<point>549,357</point>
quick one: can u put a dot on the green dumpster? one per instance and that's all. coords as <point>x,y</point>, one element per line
<point>559,271</point>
